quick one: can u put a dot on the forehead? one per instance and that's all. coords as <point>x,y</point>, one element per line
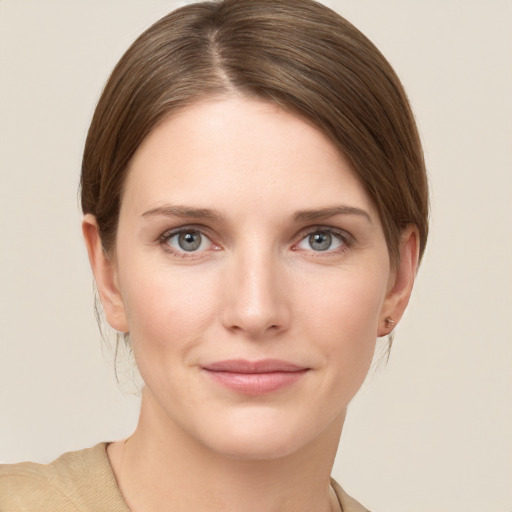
<point>242,153</point>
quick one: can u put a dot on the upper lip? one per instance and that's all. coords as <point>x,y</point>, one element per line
<point>261,366</point>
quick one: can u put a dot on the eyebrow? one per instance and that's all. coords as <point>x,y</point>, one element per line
<point>185,212</point>
<point>326,213</point>
<point>215,215</point>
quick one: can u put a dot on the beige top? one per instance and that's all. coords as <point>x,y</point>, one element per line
<point>79,482</point>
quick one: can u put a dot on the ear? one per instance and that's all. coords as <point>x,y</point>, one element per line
<point>105,274</point>
<point>401,281</point>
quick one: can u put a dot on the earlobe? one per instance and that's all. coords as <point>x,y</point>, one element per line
<point>402,282</point>
<point>105,275</point>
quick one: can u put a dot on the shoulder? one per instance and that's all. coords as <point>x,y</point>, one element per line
<point>348,503</point>
<point>81,480</point>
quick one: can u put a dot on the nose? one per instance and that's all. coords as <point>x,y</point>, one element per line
<point>256,301</point>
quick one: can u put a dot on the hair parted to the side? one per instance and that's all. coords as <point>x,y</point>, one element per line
<point>297,53</point>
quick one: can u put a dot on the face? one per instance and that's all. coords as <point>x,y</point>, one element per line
<point>252,273</point>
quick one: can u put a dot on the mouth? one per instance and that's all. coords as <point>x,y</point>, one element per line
<point>255,377</point>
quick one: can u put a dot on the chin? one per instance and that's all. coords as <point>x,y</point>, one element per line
<point>264,436</point>
<point>256,447</point>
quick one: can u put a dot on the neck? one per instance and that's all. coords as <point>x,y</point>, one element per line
<point>162,468</point>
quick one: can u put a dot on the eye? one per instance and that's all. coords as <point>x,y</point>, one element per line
<point>188,240</point>
<point>322,240</point>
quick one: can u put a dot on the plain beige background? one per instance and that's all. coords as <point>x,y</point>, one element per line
<point>432,430</point>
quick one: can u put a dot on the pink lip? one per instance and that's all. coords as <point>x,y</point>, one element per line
<point>255,377</point>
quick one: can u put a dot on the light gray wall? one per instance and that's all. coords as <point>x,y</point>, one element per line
<point>432,429</point>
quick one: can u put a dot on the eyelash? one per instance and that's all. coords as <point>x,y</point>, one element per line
<point>163,240</point>
<point>347,240</point>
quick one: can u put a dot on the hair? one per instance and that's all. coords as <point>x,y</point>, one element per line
<point>296,53</point>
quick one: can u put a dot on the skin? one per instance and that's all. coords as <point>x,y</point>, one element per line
<point>256,288</point>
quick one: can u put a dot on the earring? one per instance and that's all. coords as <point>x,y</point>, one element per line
<point>389,322</point>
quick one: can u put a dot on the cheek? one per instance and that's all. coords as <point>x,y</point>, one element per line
<point>167,311</point>
<point>344,318</point>
<point>346,303</point>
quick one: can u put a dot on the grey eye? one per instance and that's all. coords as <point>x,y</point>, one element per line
<point>189,240</point>
<point>320,241</point>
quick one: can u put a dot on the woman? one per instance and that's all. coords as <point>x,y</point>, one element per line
<point>255,209</point>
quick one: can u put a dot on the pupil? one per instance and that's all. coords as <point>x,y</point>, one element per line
<point>320,241</point>
<point>189,241</point>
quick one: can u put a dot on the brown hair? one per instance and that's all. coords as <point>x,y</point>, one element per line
<point>297,53</point>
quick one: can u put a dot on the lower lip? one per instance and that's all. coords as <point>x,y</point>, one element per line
<point>256,383</point>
